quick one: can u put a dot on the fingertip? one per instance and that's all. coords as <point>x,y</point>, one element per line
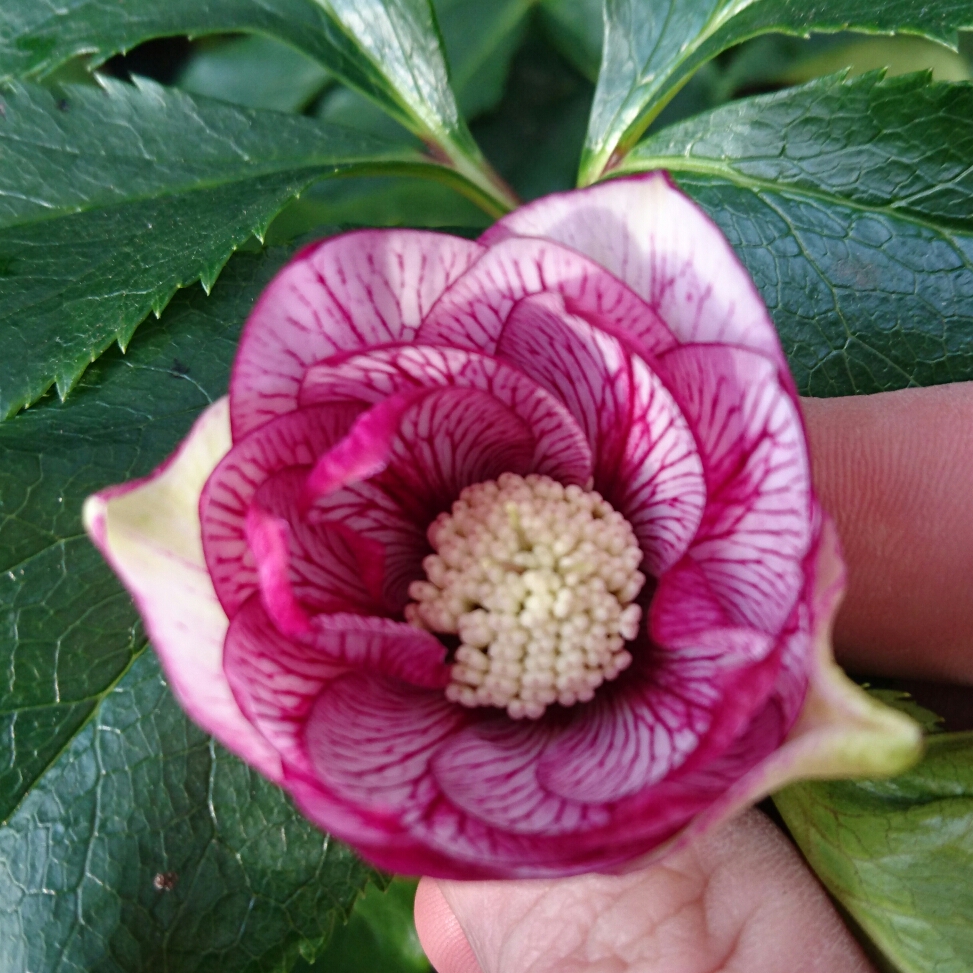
<point>895,470</point>
<point>440,934</point>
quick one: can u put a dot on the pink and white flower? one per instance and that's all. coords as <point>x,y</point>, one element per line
<point>503,557</point>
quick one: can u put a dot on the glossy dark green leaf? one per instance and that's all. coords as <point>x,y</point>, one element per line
<point>576,28</point>
<point>380,936</point>
<point>255,71</point>
<point>377,202</point>
<point>68,630</point>
<point>481,37</point>
<point>851,203</point>
<point>653,46</point>
<point>112,199</point>
<point>389,50</point>
<point>898,854</point>
<point>130,841</point>
<point>147,847</point>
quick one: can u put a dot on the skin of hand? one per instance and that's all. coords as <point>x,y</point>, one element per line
<point>895,470</point>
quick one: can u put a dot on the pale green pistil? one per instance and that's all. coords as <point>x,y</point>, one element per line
<point>538,580</point>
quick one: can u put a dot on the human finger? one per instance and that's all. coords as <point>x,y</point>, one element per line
<point>738,900</point>
<point>896,471</point>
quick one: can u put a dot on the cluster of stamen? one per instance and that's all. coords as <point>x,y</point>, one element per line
<point>537,580</point>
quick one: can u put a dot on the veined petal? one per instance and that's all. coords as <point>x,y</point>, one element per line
<point>560,447</point>
<point>330,567</point>
<point>646,461</point>
<point>452,439</point>
<point>756,530</point>
<point>294,440</point>
<point>345,293</point>
<point>370,740</point>
<point>649,235</point>
<point>662,488</point>
<point>586,368</point>
<point>490,768</point>
<point>841,731</point>
<point>472,311</point>
<point>269,537</point>
<point>148,531</point>
<point>277,679</point>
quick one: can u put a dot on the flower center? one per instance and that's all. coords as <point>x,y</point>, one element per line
<point>537,579</point>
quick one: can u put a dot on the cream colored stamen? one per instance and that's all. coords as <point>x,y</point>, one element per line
<point>538,580</point>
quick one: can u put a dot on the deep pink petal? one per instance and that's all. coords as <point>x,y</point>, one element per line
<point>686,699</point>
<point>148,531</point>
<point>380,838</point>
<point>662,490</point>
<point>450,440</point>
<point>277,680</point>
<point>635,736</point>
<point>364,451</point>
<point>295,440</point>
<point>374,521</point>
<point>757,528</point>
<point>370,740</point>
<point>346,293</point>
<point>331,568</point>
<point>649,235</point>
<point>561,449</point>
<point>841,731</point>
<point>268,537</point>
<point>472,312</point>
<point>490,771</point>
<point>586,368</point>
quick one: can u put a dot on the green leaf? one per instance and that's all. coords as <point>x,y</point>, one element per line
<point>380,936</point>
<point>107,790</point>
<point>255,71</point>
<point>897,855</point>
<point>576,28</point>
<point>865,263</point>
<point>68,629</point>
<point>377,202</point>
<point>387,49</point>
<point>652,47</point>
<point>110,200</point>
<point>904,703</point>
<point>481,37</point>
<point>146,846</point>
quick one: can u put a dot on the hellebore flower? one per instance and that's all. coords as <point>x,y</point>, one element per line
<point>502,557</point>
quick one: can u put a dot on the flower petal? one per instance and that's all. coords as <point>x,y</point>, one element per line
<point>346,293</point>
<point>278,679</point>
<point>330,567</point>
<point>294,440</point>
<point>841,732</point>
<point>586,368</point>
<point>148,531</point>
<point>649,235</point>
<point>561,449</point>
<point>646,462</point>
<point>472,312</point>
<point>756,531</point>
<point>490,770</point>
<point>663,491</point>
<point>371,739</point>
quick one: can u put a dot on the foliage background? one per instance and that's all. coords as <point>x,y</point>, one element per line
<point>130,841</point>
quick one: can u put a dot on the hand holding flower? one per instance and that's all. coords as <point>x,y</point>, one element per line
<point>894,469</point>
<point>503,557</point>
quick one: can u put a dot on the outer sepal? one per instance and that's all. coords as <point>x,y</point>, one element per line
<point>149,532</point>
<point>841,732</point>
